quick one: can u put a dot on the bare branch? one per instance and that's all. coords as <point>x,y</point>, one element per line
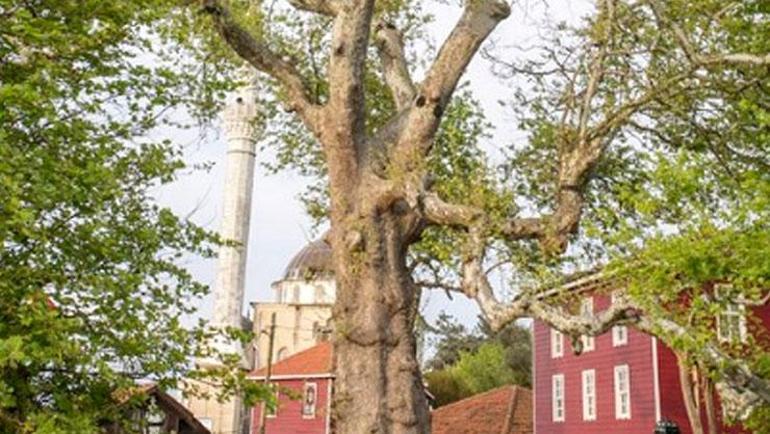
<point>264,59</point>
<point>350,39</point>
<point>439,212</point>
<point>476,23</point>
<point>734,372</point>
<point>323,7</point>
<point>390,46</point>
<point>706,59</point>
<point>442,213</point>
<point>597,67</point>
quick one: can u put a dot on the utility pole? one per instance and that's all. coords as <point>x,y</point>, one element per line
<point>271,338</point>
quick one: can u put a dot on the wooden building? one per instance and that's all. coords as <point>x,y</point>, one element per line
<point>149,410</point>
<point>304,387</point>
<point>625,381</point>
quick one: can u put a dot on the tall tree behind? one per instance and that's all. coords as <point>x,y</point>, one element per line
<point>92,287</point>
<point>469,362</point>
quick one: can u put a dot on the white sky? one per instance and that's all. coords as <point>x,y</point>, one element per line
<point>279,226</point>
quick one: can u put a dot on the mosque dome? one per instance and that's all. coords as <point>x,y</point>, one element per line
<point>313,262</point>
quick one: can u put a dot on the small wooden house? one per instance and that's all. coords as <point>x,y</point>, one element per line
<point>149,410</point>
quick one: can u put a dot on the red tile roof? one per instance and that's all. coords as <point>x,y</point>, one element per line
<point>315,360</point>
<point>505,410</point>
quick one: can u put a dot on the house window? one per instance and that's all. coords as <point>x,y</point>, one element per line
<point>589,395</point>
<point>731,322</point>
<point>619,333</point>
<point>316,330</point>
<point>309,399</point>
<point>557,344</point>
<point>558,397</point>
<point>587,309</point>
<point>622,392</point>
<point>619,336</point>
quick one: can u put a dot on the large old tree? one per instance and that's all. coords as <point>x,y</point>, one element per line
<point>647,147</point>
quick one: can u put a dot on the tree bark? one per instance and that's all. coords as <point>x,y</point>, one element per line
<point>378,386</point>
<point>693,414</point>
<point>708,399</point>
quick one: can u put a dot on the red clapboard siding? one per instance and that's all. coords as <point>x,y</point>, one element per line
<point>637,354</point>
<point>289,419</point>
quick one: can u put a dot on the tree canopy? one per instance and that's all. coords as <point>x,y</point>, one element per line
<point>645,155</point>
<point>93,287</point>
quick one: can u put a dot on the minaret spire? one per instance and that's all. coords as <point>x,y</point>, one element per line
<point>242,128</point>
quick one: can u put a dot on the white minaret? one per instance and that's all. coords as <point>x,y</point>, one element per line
<point>242,129</point>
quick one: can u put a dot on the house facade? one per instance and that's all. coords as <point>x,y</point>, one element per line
<point>150,410</point>
<point>303,382</point>
<point>624,381</point>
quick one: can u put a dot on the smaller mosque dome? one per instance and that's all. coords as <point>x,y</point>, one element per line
<point>313,262</point>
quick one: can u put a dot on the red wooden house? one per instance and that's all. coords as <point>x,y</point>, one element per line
<point>304,383</point>
<point>624,381</point>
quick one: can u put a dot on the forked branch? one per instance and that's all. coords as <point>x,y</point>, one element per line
<point>323,7</point>
<point>390,46</point>
<point>692,52</point>
<point>478,20</point>
<point>259,55</point>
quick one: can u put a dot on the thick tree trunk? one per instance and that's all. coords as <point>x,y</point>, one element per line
<point>378,386</point>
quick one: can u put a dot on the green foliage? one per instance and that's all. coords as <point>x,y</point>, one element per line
<point>93,290</point>
<point>467,363</point>
<point>484,369</point>
<point>449,339</point>
<point>446,386</point>
<point>475,372</point>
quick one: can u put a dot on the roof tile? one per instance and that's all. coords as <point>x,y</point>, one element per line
<point>505,410</point>
<point>315,360</point>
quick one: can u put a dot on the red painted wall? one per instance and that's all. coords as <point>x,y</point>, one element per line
<point>289,419</point>
<point>637,354</point>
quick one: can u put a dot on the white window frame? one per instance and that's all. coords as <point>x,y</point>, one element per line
<point>558,403</point>
<point>305,388</point>
<point>731,310</point>
<point>619,333</point>
<point>557,344</point>
<point>622,393</point>
<point>587,309</point>
<point>589,394</point>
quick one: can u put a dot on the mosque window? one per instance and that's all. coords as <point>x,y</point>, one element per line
<point>253,356</point>
<point>282,354</point>
<point>320,294</point>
